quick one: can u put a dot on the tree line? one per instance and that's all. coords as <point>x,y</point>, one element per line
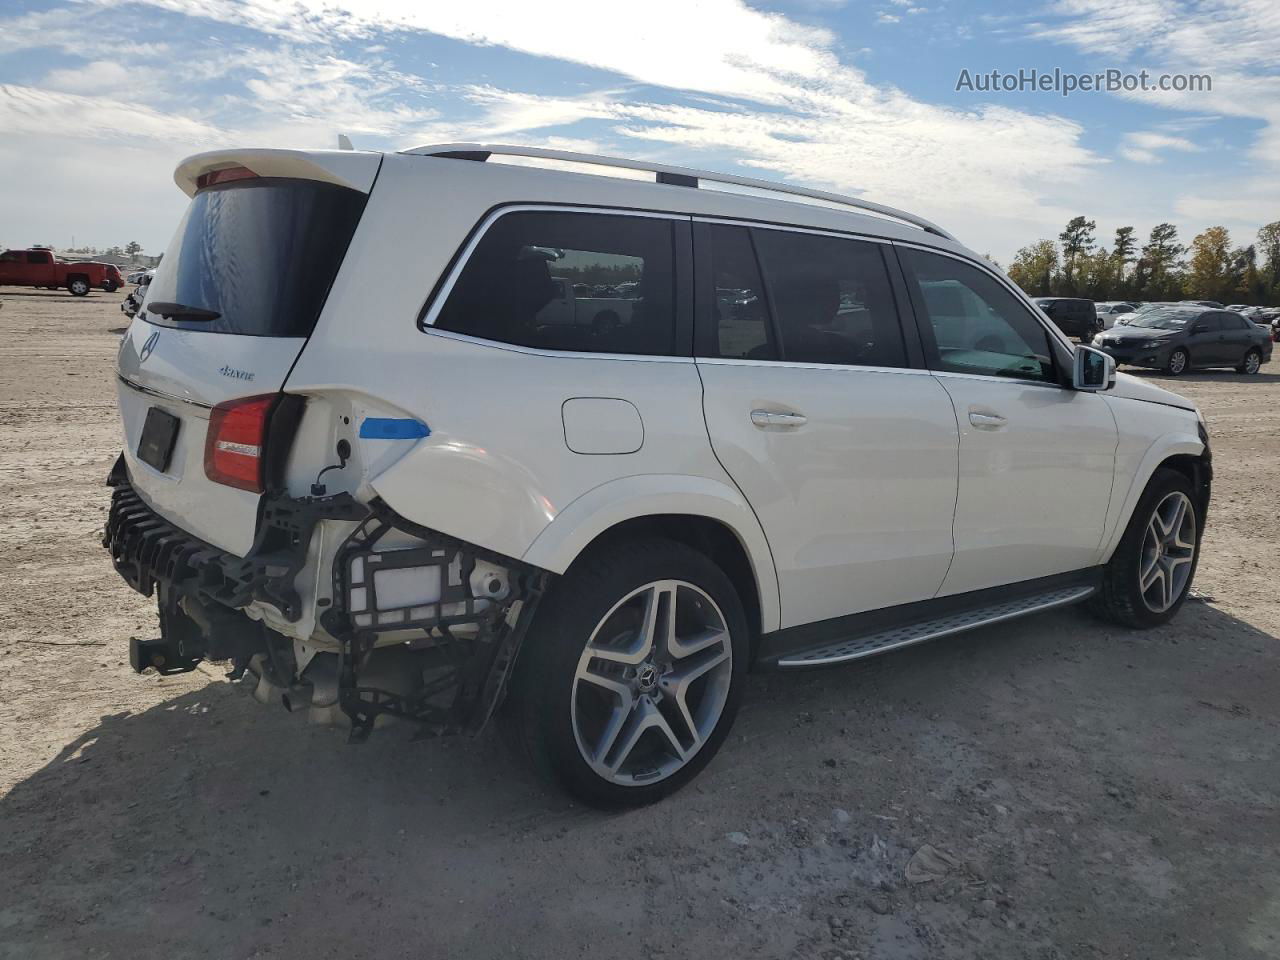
<point>130,249</point>
<point>1161,269</point>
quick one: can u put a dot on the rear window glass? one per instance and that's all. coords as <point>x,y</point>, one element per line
<point>260,254</point>
<point>590,282</point>
<point>832,299</point>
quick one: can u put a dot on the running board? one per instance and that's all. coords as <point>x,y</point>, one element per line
<point>854,648</point>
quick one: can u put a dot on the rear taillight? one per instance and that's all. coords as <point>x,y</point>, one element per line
<point>235,446</point>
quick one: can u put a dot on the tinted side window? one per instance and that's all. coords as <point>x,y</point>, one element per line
<point>978,326</point>
<point>37,257</point>
<point>591,282</point>
<point>11,256</point>
<point>1208,323</point>
<point>1231,321</point>
<point>832,299</point>
<point>740,313</point>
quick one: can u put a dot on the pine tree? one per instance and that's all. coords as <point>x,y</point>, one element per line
<point>1076,240</point>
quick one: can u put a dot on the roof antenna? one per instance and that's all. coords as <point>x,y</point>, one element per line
<point>344,142</point>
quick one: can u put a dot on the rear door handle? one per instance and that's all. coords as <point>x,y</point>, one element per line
<point>986,421</point>
<point>778,418</point>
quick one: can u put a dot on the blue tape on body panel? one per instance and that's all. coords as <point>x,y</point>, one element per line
<point>393,428</point>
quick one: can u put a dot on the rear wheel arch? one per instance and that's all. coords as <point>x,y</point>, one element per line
<point>714,539</point>
<point>704,513</point>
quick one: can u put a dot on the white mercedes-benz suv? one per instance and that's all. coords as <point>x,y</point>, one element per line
<point>431,433</point>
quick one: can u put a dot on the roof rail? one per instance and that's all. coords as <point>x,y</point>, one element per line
<point>677,176</point>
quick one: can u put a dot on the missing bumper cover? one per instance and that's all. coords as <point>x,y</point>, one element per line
<point>464,637</point>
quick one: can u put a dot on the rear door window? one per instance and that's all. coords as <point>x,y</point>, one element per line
<point>740,312</point>
<point>832,299</point>
<point>588,282</point>
<point>256,257</point>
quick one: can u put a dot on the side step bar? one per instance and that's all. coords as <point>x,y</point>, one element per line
<point>854,648</point>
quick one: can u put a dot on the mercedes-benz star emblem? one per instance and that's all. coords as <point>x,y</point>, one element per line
<point>148,347</point>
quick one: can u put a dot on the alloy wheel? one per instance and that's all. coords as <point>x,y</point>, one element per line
<point>652,683</point>
<point>1177,362</point>
<point>1252,362</point>
<point>1168,547</point>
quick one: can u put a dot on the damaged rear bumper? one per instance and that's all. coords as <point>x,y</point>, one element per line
<point>458,646</point>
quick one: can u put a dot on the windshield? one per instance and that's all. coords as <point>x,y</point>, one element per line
<point>256,257</point>
<point>1162,320</point>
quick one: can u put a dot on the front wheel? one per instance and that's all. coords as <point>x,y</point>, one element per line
<point>1178,362</point>
<point>1252,361</point>
<point>632,672</point>
<point>1151,571</point>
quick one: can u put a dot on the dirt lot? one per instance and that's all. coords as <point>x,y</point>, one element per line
<point>1102,793</point>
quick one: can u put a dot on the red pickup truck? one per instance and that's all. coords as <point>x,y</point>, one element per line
<point>40,268</point>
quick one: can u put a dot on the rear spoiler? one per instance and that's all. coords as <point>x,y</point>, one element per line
<point>355,169</point>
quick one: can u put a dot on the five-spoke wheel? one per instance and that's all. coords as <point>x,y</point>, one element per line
<point>1148,576</point>
<point>1168,548</point>
<point>631,674</point>
<point>651,683</point>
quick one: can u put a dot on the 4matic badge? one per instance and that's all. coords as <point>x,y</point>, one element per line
<point>234,374</point>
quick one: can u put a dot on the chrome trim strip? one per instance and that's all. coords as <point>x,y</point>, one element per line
<point>754,224</point>
<point>160,394</point>
<point>540,352</point>
<point>955,375</point>
<point>804,365</point>
<point>1058,598</point>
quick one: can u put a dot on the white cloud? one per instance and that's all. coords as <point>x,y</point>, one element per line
<point>1235,41</point>
<point>888,18</point>
<point>775,96</point>
<point>31,110</point>
<point>1144,146</point>
<point>107,78</point>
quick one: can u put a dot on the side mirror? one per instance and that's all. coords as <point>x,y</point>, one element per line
<point>1092,370</point>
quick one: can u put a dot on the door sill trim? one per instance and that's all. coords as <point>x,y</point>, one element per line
<point>857,646</point>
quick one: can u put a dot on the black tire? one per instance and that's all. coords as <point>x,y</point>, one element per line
<point>78,286</point>
<point>1120,598</point>
<point>1173,368</point>
<point>110,287</point>
<point>538,714</point>
<point>1252,362</point>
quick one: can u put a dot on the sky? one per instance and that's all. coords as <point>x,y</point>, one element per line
<point>100,99</point>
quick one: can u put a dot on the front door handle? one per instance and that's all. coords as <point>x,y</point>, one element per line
<point>778,418</point>
<point>986,421</point>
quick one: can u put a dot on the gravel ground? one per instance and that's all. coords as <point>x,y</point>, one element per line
<point>1048,788</point>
